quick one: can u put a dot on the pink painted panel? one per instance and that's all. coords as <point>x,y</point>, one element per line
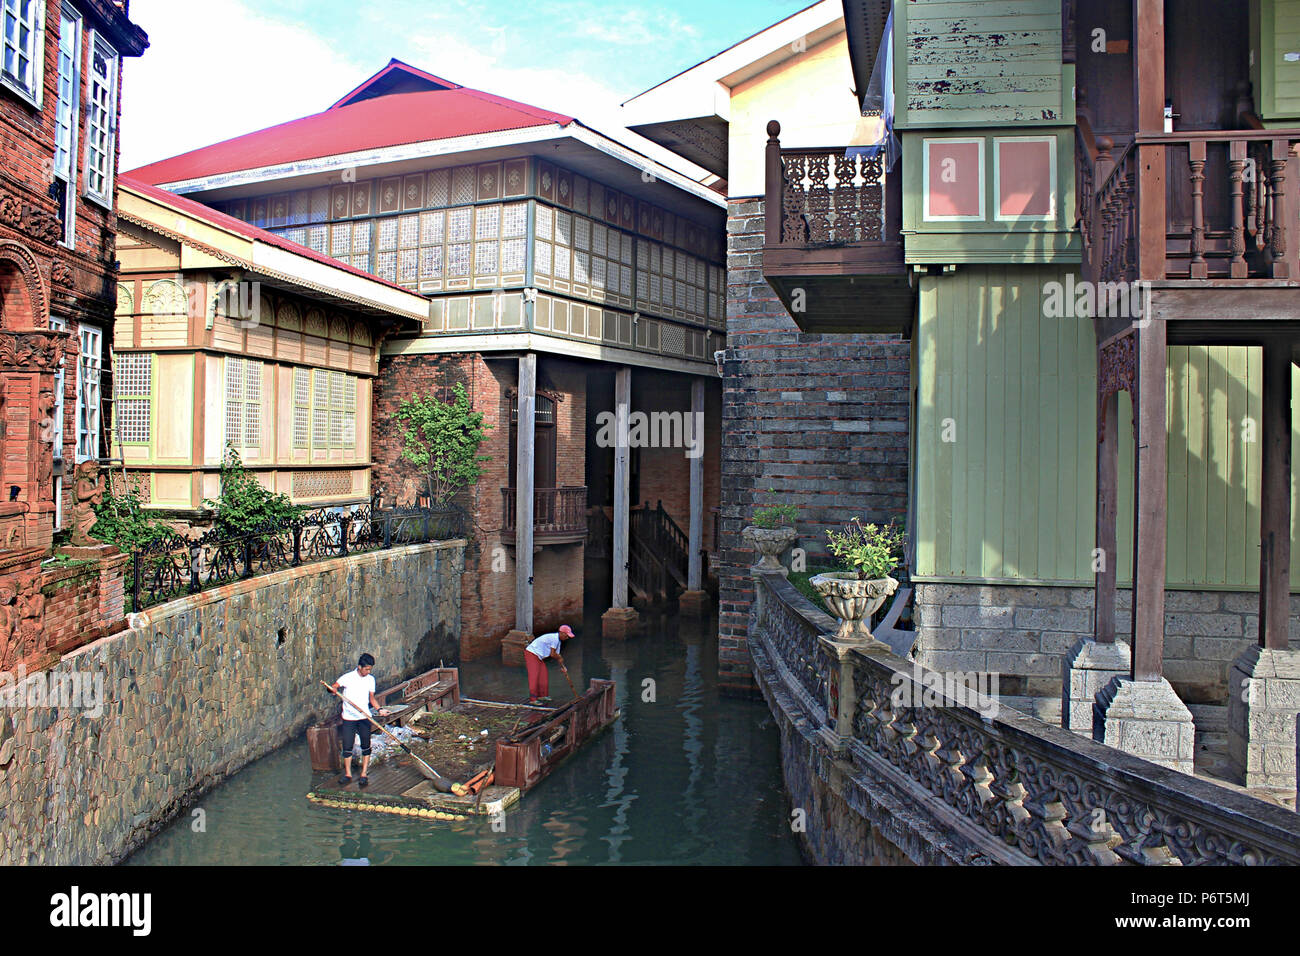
<point>1025,179</point>
<point>953,179</point>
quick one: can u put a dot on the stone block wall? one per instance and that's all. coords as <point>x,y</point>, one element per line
<point>1023,633</point>
<point>197,688</point>
<point>820,419</point>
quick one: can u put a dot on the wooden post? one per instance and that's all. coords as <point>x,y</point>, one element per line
<point>1282,189</point>
<point>1197,268</point>
<point>524,493</point>
<point>1236,167</point>
<point>622,482</point>
<point>1275,498</point>
<point>1107,512</point>
<point>694,564</point>
<point>772,212</point>
<point>1150,487</point>
<point>1149,100</point>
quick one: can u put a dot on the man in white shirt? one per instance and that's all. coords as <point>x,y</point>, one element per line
<point>535,655</point>
<point>358,690</point>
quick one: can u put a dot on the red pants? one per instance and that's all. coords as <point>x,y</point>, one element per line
<point>538,679</point>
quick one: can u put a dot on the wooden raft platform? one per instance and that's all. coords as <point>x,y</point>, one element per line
<point>519,744</point>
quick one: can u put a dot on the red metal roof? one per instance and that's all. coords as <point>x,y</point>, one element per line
<point>241,228</point>
<point>392,120</point>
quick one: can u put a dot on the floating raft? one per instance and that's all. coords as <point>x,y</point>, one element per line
<point>504,748</point>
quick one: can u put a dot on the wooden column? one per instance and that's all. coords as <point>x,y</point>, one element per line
<point>1107,516</point>
<point>1150,486</point>
<point>695,569</point>
<point>1275,498</point>
<point>524,493</point>
<point>773,186</point>
<point>1149,101</point>
<point>622,483</point>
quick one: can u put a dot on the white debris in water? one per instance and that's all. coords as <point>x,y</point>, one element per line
<point>461,737</point>
<point>483,733</point>
<point>382,746</point>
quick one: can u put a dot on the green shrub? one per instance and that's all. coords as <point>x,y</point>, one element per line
<point>245,506</point>
<point>122,520</point>
<point>868,551</point>
<point>442,439</point>
<point>776,516</point>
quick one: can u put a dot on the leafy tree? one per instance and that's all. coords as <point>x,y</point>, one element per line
<point>245,506</point>
<point>442,439</point>
<point>122,520</point>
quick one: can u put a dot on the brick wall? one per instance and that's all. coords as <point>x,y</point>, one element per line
<point>821,419</point>
<point>488,585</point>
<point>1023,634</point>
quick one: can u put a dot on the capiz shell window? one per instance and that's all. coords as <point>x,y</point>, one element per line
<point>954,180</point>
<point>132,405</point>
<point>1025,177</point>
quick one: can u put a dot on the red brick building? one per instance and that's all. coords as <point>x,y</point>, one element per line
<point>60,94</point>
<point>568,277</point>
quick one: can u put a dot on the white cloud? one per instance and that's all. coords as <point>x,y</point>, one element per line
<point>233,70</point>
<point>222,72</point>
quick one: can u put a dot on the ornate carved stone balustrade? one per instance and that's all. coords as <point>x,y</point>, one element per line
<point>950,780</point>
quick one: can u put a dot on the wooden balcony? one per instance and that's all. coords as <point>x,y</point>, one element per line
<point>559,515</point>
<point>832,250</point>
<point>1214,210</point>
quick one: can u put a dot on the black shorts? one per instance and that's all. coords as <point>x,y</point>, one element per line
<point>347,733</point>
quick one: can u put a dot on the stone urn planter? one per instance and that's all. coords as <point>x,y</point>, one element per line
<point>853,600</point>
<point>770,542</point>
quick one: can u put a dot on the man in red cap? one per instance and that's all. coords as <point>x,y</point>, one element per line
<point>535,655</point>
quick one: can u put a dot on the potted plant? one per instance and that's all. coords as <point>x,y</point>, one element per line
<point>771,533</point>
<point>868,553</point>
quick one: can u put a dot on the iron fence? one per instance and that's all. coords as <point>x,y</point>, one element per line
<point>174,566</point>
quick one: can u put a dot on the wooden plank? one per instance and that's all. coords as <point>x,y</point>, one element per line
<point>1027,508</point>
<point>1196,506</point>
<point>1234,523</point>
<point>1049,550</point>
<point>996,424</point>
<point>1177,454</point>
<point>1218,479</point>
<point>1275,497</point>
<point>1106,516</point>
<point>1026,309</point>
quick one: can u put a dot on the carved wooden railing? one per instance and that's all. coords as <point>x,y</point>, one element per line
<point>557,512</point>
<point>823,197</point>
<point>1011,786</point>
<point>1232,205</point>
<point>1115,214</point>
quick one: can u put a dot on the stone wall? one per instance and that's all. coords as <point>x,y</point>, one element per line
<point>900,768</point>
<point>820,419</point>
<point>197,688</point>
<point>1023,633</point>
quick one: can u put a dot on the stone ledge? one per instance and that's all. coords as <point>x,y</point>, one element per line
<point>236,589</point>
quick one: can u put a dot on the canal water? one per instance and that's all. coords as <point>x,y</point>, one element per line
<point>684,776</point>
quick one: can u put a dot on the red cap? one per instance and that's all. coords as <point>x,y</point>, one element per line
<point>565,629</point>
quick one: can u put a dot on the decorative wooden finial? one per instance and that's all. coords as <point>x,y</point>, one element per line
<point>773,128</point>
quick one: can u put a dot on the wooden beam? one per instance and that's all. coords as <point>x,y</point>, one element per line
<point>1150,489</point>
<point>1149,102</point>
<point>695,534</point>
<point>524,493</point>
<point>1275,498</point>
<point>774,181</point>
<point>622,482</point>
<point>1107,515</point>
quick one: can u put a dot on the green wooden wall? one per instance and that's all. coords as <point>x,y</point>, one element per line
<point>1275,33</point>
<point>1012,496</point>
<point>981,62</point>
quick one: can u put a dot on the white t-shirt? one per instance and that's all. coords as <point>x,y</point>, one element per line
<point>357,690</point>
<point>543,646</point>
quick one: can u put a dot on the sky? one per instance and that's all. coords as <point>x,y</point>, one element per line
<point>216,69</point>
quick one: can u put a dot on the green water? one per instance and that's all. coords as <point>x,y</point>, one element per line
<point>688,778</point>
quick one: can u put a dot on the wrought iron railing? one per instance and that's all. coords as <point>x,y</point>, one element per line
<point>175,566</point>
